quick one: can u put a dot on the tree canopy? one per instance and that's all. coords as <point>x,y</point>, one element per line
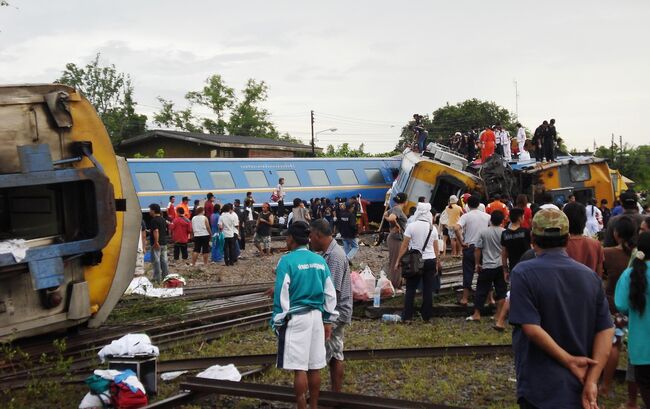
<point>111,93</point>
<point>633,162</point>
<point>460,117</point>
<point>229,114</point>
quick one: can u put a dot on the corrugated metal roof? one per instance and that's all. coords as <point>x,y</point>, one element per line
<point>217,140</point>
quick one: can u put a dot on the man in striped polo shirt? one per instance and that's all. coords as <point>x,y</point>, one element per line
<point>321,240</point>
<point>304,306</point>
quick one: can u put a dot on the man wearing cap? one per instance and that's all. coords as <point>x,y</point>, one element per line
<point>304,307</point>
<point>629,203</point>
<point>563,331</point>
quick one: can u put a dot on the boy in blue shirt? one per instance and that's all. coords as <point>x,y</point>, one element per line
<point>304,306</point>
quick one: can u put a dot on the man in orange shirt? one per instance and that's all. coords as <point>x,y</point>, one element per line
<point>497,204</point>
<point>185,205</point>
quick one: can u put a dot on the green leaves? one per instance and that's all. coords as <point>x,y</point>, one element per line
<point>111,93</point>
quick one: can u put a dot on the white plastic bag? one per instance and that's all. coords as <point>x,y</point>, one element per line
<point>369,280</point>
<point>386,287</point>
<point>224,373</point>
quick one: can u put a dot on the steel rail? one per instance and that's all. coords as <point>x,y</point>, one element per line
<point>350,355</point>
<point>286,394</point>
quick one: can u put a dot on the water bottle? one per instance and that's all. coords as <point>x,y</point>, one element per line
<point>377,298</point>
<point>391,318</point>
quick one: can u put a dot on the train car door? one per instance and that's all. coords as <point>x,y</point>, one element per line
<point>445,186</point>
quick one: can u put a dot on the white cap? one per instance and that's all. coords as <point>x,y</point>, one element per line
<point>453,199</point>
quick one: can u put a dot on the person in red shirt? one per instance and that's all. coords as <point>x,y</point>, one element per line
<point>171,209</point>
<point>208,207</point>
<point>497,204</point>
<point>181,231</point>
<point>363,220</point>
<point>522,203</point>
<point>488,141</point>
<point>581,248</point>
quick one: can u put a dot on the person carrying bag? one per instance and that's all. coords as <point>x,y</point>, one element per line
<point>419,261</point>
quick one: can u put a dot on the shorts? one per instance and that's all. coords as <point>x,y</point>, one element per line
<point>452,234</point>
<point>445,231</point>
<point>301,342</point>
<point>264,240</point>
<point>202,244</point>
<point>334,345</point>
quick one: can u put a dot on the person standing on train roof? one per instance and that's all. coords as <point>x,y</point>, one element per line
<point>560,347</point>
<point>521,138</point>
<point>550,142</point>
<point>159,240</point>
<point>208,207</point>
<point>498,146</point>
<point>487,141</point>
<point>538,140</point>
<point>304,308</point>
<point>504,136</point>
<point>185,204</point>
<point>171,209</point>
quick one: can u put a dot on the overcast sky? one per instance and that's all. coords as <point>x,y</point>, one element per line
<point>364,66</point>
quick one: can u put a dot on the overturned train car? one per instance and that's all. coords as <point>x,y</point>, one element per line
<point>439,173</point>
<point>69,216</point>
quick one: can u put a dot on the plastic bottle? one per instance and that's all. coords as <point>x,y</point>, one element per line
<point>391,318</point>
<point>376,301</point>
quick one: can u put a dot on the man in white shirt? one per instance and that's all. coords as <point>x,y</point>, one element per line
<point>521,139</point>
<point>229,225</point>
<point>468,231</point>
<point>503,137</point>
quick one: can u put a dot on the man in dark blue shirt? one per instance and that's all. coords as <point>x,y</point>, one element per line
<point>562,327</point>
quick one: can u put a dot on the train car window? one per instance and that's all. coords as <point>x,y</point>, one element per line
<point>187,180</point>
<point>579,173</point>
<point>290,177</point>
<point>148,181</point>
<point>374,176</point>
<point>222,180</point>
<point>347,176</point>
<point>256,178</point>
<point>318,177</point>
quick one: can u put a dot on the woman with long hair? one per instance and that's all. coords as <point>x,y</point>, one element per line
<point>527,219</point>
<point>616,261</point>
<point>632,297</point>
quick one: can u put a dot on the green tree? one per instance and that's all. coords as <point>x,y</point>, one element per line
<point>461,117</point>
<point>111,93</point>
<point>344,151</point>
<point>229,115</point>
<point>633,162</point>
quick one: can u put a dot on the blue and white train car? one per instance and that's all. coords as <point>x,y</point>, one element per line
<point>229,179</point>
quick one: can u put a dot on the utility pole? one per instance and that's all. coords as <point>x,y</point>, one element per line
<point>611,150</point>
<point>516,101</point>
<point>620,152</point>
<point>313,144</point>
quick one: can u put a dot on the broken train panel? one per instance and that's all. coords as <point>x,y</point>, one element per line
<point>69,218</point>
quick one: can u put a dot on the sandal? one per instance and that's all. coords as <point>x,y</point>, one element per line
<point>471,318</point>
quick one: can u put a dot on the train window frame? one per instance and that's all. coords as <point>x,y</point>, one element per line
<point>344,180</point>
<point>181,184</point>
<point>377,174</point>
<point>287,175</point>
<point>229,185</point>
<point>577,172</point>
<point>321,173</point>
<point>255,173</point>
<point>145,185</point>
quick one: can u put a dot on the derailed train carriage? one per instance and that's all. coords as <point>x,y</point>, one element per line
<point>440,172</point>
<point>69,216</point>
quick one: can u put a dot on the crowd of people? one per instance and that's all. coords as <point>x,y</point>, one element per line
<point>571,300</point>
<point>569,297</point>
<point>484,142</point>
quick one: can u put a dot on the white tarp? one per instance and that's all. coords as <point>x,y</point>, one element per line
<point>142,286</point>
<point>129,345</point>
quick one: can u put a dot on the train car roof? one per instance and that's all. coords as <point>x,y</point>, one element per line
<point>290,159</point>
